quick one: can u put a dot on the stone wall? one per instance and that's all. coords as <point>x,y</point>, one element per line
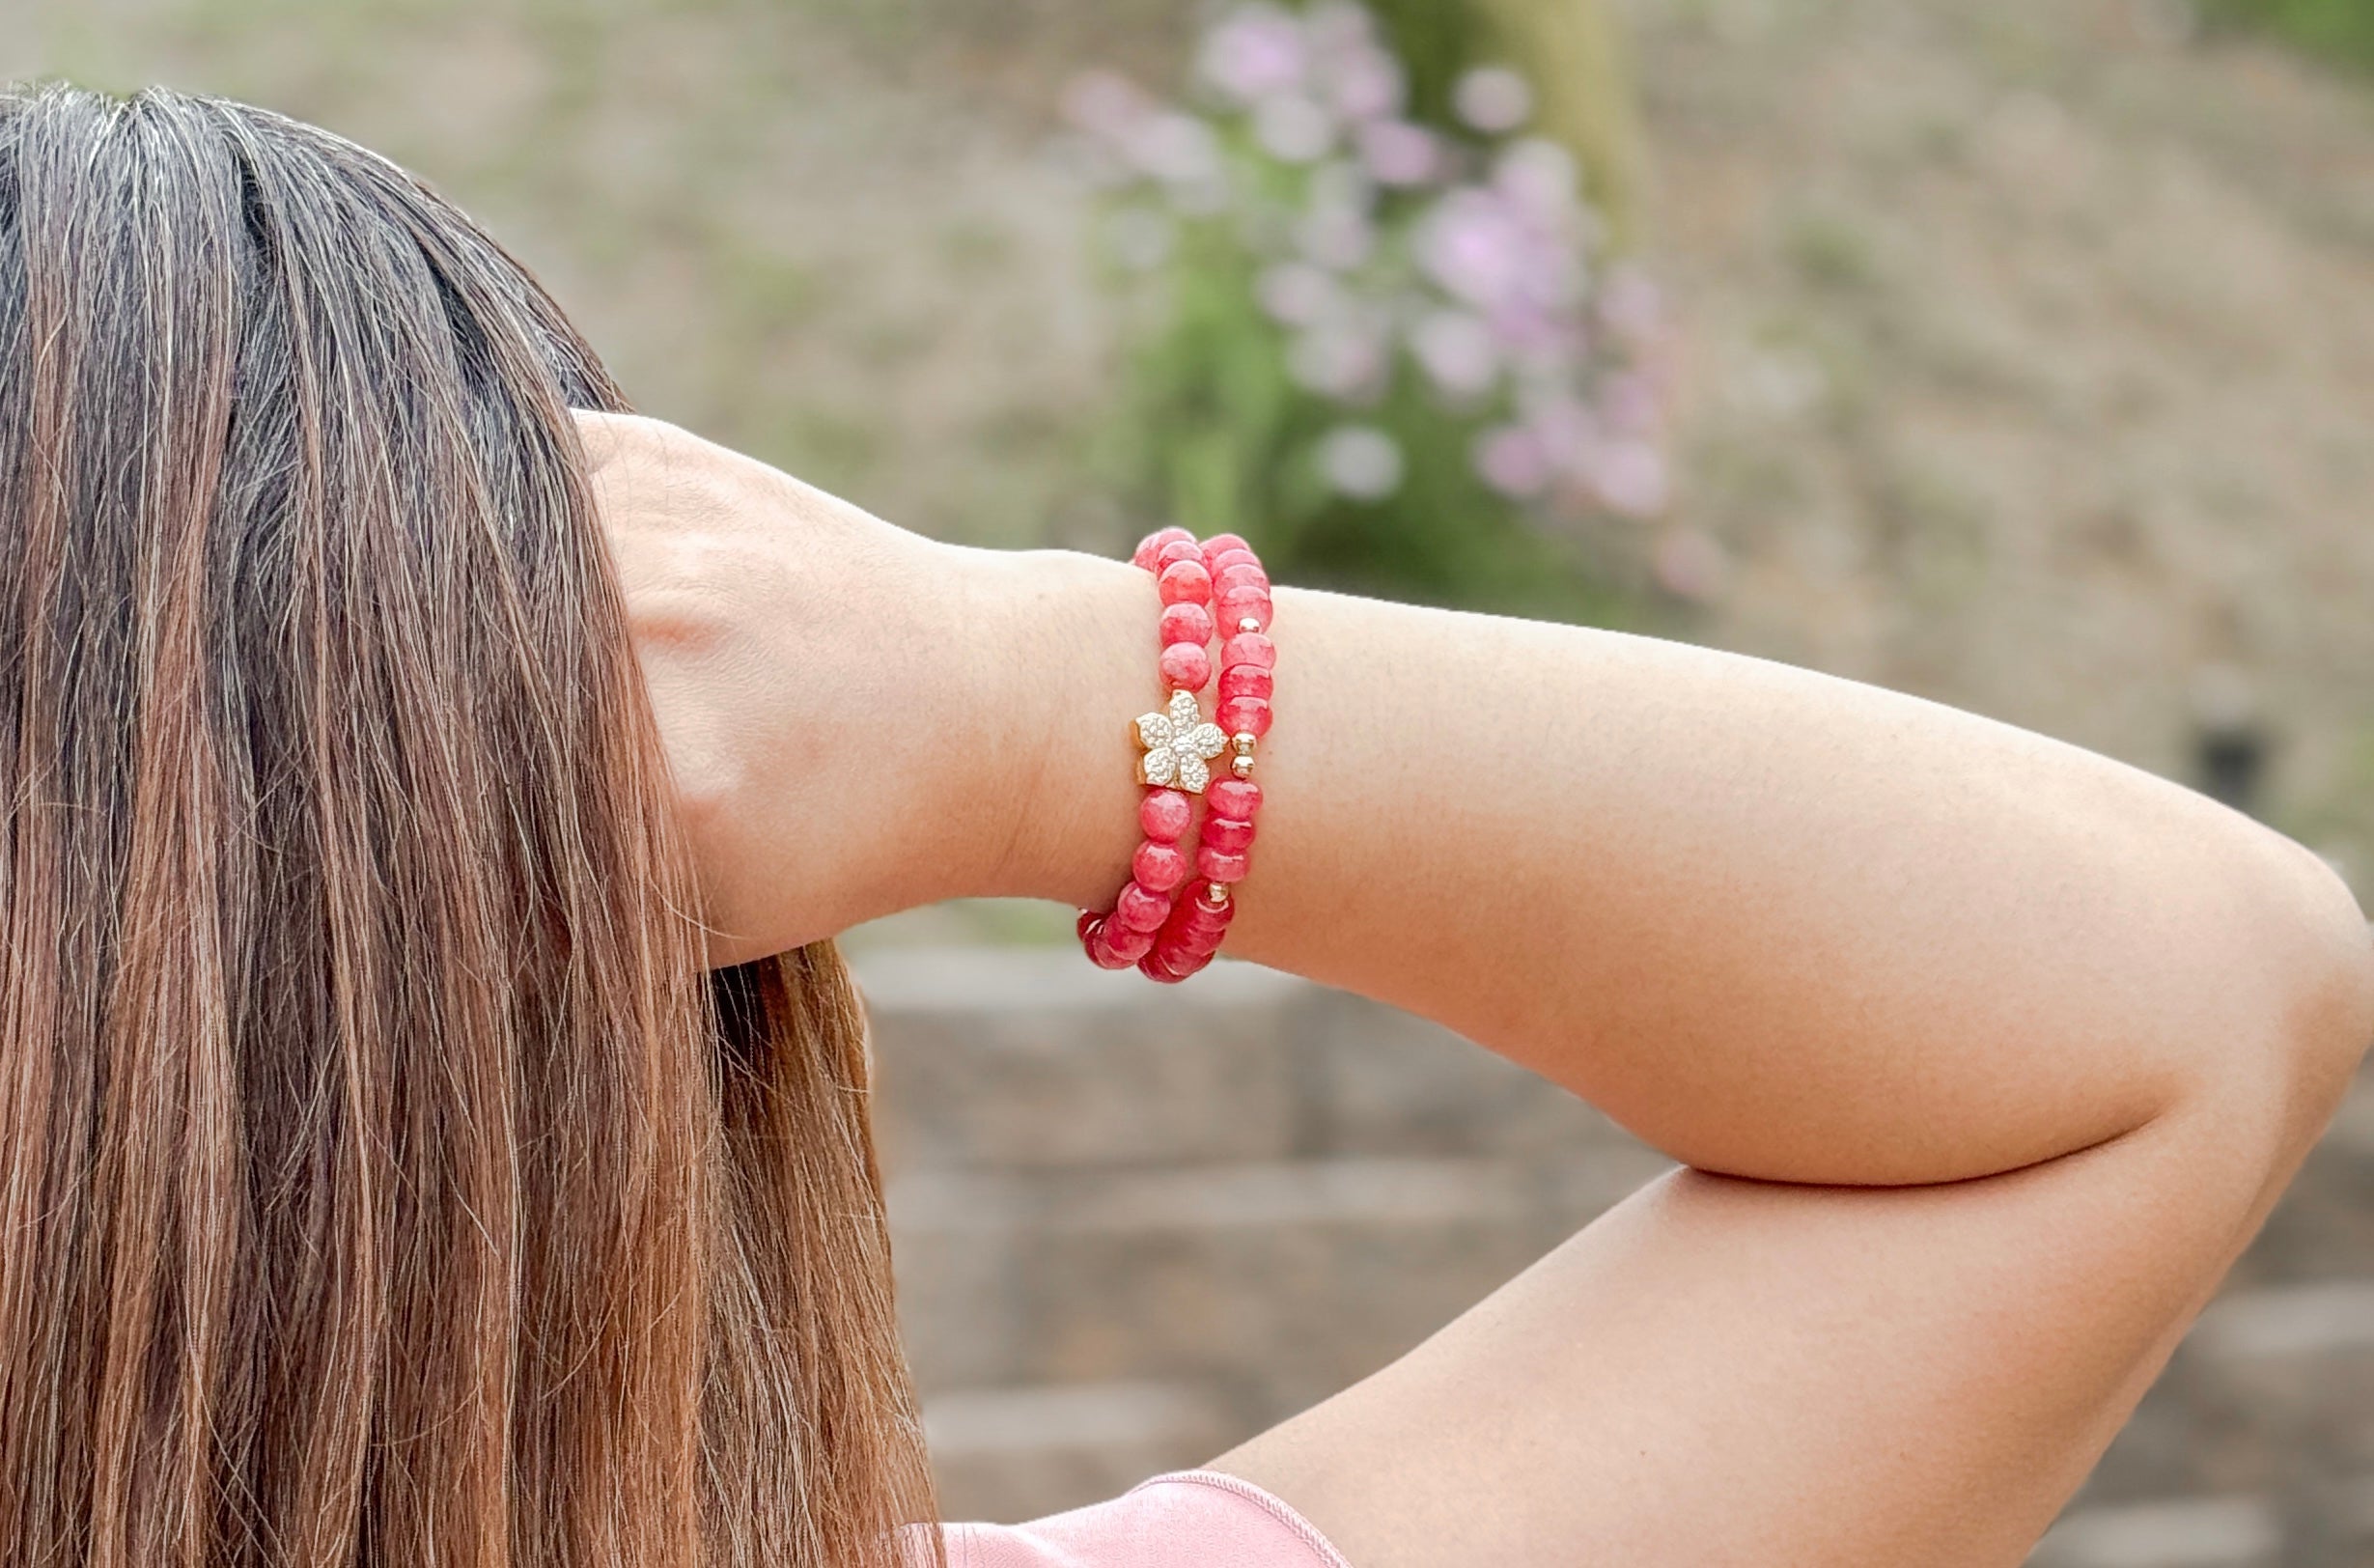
<point>1134,1227</point>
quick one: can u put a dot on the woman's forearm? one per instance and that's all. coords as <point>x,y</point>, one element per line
<point>1779,924</point>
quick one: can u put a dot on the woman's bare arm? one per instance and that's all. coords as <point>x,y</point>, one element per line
<point>1988,1053</point>
<point>2001,1050</point>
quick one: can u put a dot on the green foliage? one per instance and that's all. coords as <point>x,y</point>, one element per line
<point>1221,436</point>
<point>2339,29</point>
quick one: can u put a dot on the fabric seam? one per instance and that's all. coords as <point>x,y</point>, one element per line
<point>1277,1508</point>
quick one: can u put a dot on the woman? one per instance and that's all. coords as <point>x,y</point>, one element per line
<point>382,1185</point>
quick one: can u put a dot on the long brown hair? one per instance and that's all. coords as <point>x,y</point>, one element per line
<point>381,1179</point>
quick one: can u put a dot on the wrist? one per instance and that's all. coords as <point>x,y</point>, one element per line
<point>1063,662</point>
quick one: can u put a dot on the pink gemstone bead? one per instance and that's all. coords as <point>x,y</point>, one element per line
<point>1219,866</point>
<point>1185,664</point>
<point>1225,541</point>
<point>1140,908</point>
<point>1227,834</point>
<point>1248,648</point>
<point>1105,955</point>
<point>1238,798</point>
<point>1244,715</point>
<point>1185,623</point>
<point>1176,551</point>
<point>1239,576</point>
<point>1160,867</point>
<point>1222,559</point>
<point>1186,582</point>
<point>1126,944</point>
<point>1088,924</point>
<point>1247,680</point>
<point>1242,603</point>
<point>1164,814</point>
<point>1150,549</point>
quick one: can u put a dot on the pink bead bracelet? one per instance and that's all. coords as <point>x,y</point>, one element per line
<point>1169,937</point>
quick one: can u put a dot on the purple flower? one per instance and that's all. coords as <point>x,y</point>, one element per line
<point>1396,153</point>
<point>1540,176</point>
<point>1473,246</point>
<point>1629,478</point>
<point>1366,83</point>
<point>1493,99</point>
<point>1292,129</point>
<point>1457,350</point>
<point>1296,294</point>
<point>1360,461</point>
<point>1509,459</point>
<point>1256,52</point>
<point>1341,357</point>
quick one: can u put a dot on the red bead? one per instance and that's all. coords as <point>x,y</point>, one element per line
<point>1150,549</point>
<point>1088,924</point>
<point>1221,560</point>
<point>1244,715</point>
<point>1105,955</point>
<point>1185,623</point>
<point>1240,575</point>
<point>1248,648</point>
<point>1164,814</point>
<point>1227,834</point>
<point>1242,605</point>
<point>1225,541</point>
<point>1186,665</point>
<point>1176,551</point>
<point>1140,908</point>
<point>1219,866</point>
<point>1247,680</point>
<point>1160,867</point>
<point>1127,945</point>
<point>1238,798</point>
<point>1186,582</point>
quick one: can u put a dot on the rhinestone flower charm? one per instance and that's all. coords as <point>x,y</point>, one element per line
<point>1178,744</point>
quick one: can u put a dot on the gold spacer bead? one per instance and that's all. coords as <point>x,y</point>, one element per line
<point>1242,768</point>
<point>1219,892</point>
<point>1243,740</point>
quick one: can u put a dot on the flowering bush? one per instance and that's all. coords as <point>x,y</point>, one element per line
<point>1390,351</point>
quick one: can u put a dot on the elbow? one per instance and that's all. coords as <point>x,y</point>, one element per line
<point>2321,950</point>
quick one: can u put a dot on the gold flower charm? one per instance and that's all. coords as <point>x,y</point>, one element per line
<point>1178,744</point>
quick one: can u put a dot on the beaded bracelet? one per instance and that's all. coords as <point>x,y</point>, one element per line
<point>1179,743</point>
<point>1200,924</point>
<point>1168,937</point>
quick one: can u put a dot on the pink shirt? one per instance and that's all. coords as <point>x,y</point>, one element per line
<point>1189,1519</point>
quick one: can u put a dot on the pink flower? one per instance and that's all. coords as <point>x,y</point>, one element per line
<point>1629,476</point>
<point>1396,153</point>
<point>1296,294</point>
<point>1457,351</point>
<point>1472,245</point>
<point>1509,459</point>
<point>1341,358</point>
<point>1493,99</point>
<point>1361,461</point>
<point>1257,51</point>
<point>1366,83</point>
<point>1292,129</point>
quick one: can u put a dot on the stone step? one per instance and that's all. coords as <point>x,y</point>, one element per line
<point>1277,1282</point>
<point>1014,1058</point>
<point>1010,1454</point>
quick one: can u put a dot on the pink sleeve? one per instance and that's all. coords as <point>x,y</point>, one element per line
<point>1190,1519</point>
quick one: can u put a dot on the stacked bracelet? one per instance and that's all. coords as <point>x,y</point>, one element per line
<point>1167,935</point>
<point>1178,745</point>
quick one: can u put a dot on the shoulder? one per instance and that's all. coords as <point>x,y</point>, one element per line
<point>1188,1519</point>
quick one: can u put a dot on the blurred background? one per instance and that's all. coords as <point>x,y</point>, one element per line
<point>2018,355</point>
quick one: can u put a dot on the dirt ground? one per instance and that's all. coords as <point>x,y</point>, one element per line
<point>2030,346</point>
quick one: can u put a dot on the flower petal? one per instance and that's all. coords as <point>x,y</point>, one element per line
<point>1154,730</point>
<point>1203,741</point>
<point>1184,712</point>
<point>1193,775</point>
<point>1160,765</point>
